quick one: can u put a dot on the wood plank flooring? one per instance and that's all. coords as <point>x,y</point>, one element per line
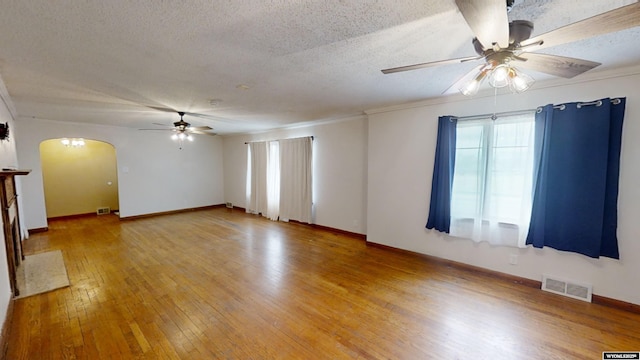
<point>221,284</point>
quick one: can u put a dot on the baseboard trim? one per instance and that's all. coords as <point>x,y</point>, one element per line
<point>71,217</point>
<point>334,230</point>
<point>172,212</point>
<point>236,208</point>
<point>64,217</point>
<point>616,304</point>
<point>6,327</point>
<point>319,227</point>
<point>596,299</point>
<point>37,230</point>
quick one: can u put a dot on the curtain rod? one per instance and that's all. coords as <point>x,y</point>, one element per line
<point>494,115</point>
<point>615,101</point>
<point>302,137</point>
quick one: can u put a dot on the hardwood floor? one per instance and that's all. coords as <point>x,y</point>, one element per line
<point>223,284</point>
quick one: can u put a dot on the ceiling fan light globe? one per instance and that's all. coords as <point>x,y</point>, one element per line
<point>471,88</point>
<point>499,76</point>
<point>521,82</point>
<point>189,137</point>
<point>181,136</point>
<point>174,136</point>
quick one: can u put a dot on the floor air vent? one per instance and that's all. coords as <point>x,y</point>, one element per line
<point>567,288</point>
<point>103,211</point>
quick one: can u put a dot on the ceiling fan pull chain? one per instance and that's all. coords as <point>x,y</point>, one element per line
<point>495,103</point>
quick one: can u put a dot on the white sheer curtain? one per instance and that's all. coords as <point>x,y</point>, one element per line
<point>273,181</point>
<point>295,179</point>
<point>492,184</point>
<point>279,179</point>
<point>257,178</point>
<point>263,179</point>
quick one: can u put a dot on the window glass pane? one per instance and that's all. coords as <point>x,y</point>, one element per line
<point>491,198</point>
<point>509,170</point>
<point>468,137</point>
<point>467,185</point>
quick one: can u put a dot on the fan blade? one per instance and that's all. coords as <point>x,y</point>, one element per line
<point>160,108</point>
<point>160,124</point>
<point>562,66</point>
<point>463,80</point>
<point>211,117</point>
<point>201,132</point>
<point>618,19</point>
<point>200,128</point>
<point>487,19</point>
<point>429,64</point>
<point>158,129</point>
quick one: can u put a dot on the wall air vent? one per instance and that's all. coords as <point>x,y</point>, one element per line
<point>229,205</point>
<point>567,288</point>
<point>103,210</point>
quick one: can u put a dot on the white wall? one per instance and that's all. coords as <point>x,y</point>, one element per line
<point>154,175</point>
<point>7,159</point>
<point>401,152</point>
<point>339,170</point>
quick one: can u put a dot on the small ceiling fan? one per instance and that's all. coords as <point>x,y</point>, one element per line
<point>183,130</point>
<point>503,45</point>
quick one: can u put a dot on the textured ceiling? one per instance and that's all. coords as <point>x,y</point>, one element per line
<point>269,63</point>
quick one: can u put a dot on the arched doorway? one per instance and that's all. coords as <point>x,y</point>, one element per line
<point>78,179</point>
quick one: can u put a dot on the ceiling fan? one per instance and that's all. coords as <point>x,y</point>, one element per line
<point>503,45</point>
<point>183,130</point>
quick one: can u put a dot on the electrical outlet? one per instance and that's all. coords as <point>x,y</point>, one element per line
<point>513,259</point>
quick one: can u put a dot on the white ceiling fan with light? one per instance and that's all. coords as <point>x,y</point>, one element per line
<point>506,46</point>
<point>183,130</point>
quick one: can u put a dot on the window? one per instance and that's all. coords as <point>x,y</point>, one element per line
<point>484,174</point>
<point>492,182</point>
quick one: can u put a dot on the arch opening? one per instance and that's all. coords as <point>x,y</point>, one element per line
<point>79,180</point>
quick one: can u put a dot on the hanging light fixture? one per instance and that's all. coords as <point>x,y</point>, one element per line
<point>73,142</point>
<point>471,88</point>
<point>500,74</point>
<point>520,82</point>
<point>181,136</point>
